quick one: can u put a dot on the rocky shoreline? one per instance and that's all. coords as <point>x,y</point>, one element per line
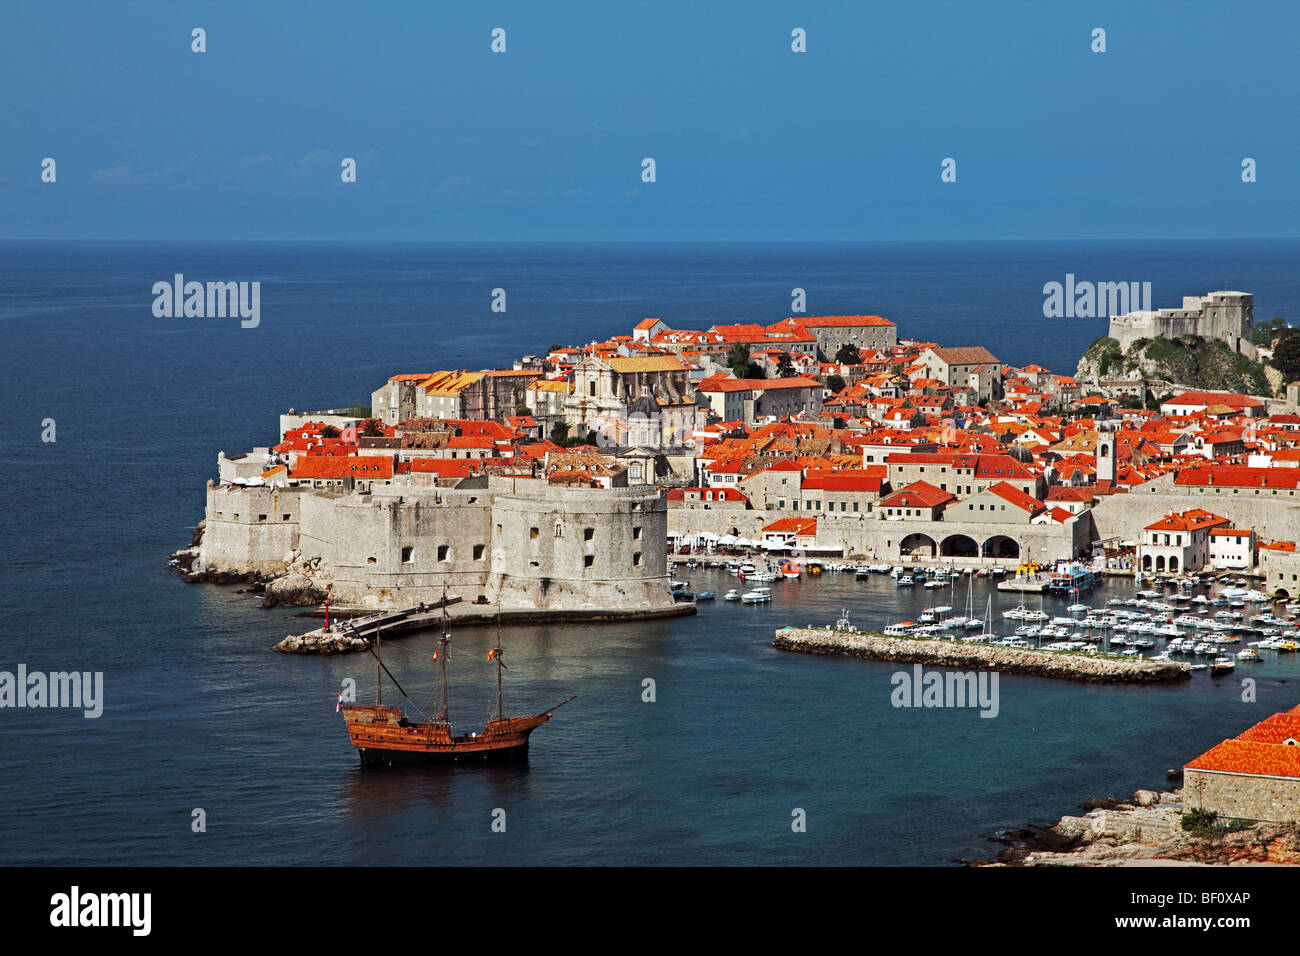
<point>1146,830</point>
<point>298,583</point>
<point>943,653</point>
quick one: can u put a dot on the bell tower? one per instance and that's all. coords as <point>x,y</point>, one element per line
<point>1105,452</point>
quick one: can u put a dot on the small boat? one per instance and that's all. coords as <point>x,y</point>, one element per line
<point>1222,665</point>
<point>901,629</point>
<point>791,569</point>
<point>704,596</point>
<point>1249,654</point>
<point>732,595</point>
<point>757,596</point>
<point>906,581</point>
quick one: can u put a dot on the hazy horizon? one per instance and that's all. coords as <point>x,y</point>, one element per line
<point>751,140</point>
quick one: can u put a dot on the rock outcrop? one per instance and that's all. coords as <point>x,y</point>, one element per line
<point>297,583</point>
<point>320,642</point>
<point>1149,827</point>
<point>1189,361</point>
<point>298,587</point>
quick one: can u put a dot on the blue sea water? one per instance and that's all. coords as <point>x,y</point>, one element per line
<point>200,714</point>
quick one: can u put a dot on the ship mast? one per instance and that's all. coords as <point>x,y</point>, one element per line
<point>379,683</point>
<point>501,714</point>
<point>444,641</point>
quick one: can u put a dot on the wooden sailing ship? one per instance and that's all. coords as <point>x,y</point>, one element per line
<point>384,735</point>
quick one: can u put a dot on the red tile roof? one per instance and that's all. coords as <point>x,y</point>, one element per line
<point>844,480</point>
<point>358,467</point>
<point>797,525</point>
<point>838,321</point>
<point>719,384</point>
<point>1232,399</point>
<point>919,494</point>
<point>1240,476</point>
<point>1251,758</point>
<point>1014,496</point>
<point>1195,520</point>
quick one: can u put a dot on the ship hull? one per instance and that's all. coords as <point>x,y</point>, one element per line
<point>383,736</point>
<point>388,758</point>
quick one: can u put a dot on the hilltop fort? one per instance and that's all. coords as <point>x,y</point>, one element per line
<point>1226,317</point>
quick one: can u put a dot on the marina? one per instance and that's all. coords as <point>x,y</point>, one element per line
<point>1206,625</point>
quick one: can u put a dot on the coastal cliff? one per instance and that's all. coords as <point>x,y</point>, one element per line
<point>1188,360</point>
<point>1010,660</point>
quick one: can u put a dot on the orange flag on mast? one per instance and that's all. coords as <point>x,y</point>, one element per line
<point>492,654</point>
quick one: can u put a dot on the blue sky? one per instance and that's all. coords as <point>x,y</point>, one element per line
<point>750,140</point>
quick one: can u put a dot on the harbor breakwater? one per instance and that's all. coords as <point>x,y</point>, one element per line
<point>1008,660</point>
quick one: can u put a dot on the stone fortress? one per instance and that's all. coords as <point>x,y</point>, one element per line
<point>518,541</point>
<point>1225,316</point>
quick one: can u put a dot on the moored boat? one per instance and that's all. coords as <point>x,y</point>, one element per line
<point>385,735</point>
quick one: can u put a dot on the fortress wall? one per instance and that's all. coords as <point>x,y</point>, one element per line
<point>395,551</point>
<point>576,549</point>
<point>389,550</point>
<point>249,529</point>
<point>869,535</point>
<point>1225,317</point>
<point>1273,517</point>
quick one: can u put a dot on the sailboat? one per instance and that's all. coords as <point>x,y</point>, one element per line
<point>384,735</point>
<point>972,621</point>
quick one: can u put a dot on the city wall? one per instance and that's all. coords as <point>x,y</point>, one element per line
<point>1273,517</point>
<point>874,538</point>
<point>519,541</point>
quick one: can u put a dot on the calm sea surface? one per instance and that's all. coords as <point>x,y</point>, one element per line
<point>200,714</point>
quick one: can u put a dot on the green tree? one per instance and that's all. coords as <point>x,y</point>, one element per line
<point>835,382</point>
<point>372,428</point>
<point>1265,332</point>
<point>784,365</point>
<point>1286,354</point>
<point>329,431</point>
<point>738,354</point>
<point>560,432</point>
<point>522,409</point>
<point>848,354</point>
